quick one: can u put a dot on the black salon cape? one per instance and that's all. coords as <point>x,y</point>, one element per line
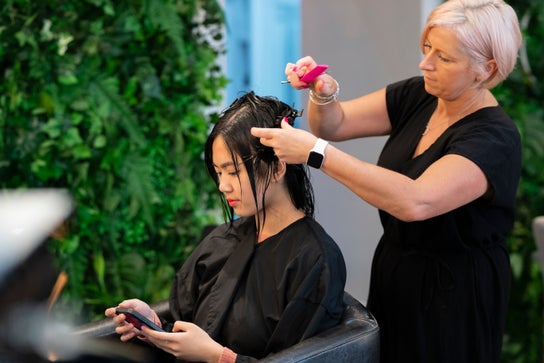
<point>258,299</point>
<point>440,287</point>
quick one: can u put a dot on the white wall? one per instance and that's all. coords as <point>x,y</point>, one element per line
<point>367,45</point>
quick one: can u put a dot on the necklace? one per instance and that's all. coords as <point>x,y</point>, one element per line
<point>427,128</point>
<point>466,111</point>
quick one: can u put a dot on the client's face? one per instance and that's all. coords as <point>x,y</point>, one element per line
<point>233,183</point>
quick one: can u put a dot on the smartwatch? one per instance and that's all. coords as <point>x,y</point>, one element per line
<point>317,154</point>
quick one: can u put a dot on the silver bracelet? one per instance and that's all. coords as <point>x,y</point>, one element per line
<point>325,100</point>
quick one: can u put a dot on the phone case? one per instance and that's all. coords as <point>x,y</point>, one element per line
<point>137,319</point>
<point>314,72</point>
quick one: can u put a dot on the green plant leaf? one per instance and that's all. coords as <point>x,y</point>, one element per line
<point>109,100</point>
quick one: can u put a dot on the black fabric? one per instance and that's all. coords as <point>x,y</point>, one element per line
<point>440,287</point>
<point>27,286</point>
<point>30,282</point>
<point>258,299</point>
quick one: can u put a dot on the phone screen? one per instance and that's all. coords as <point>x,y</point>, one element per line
<point>137,319</point>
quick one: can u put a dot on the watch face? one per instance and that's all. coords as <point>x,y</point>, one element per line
<point>315,159</point>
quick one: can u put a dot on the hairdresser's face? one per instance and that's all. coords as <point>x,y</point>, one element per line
<point>234,184</point>
<point>446,67</point>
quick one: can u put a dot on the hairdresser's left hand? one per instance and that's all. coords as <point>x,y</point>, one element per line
<point>186,342</point>
<point>290,145</point>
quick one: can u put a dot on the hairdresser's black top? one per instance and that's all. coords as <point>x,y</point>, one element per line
<point>439,287</point>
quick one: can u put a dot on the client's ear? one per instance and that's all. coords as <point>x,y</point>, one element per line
<point>281,168</point>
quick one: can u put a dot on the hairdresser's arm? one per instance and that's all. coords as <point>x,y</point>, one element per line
<point>338,121</point>
<point>449,183</point>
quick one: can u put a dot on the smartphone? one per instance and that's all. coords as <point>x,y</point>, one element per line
<point>314,72</point>
<point>137,319</point>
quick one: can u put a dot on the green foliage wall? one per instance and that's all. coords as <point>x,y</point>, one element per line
<point>109,100</point>
<point>522,95</point>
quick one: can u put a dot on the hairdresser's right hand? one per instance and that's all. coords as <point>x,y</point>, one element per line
<point>126,329</point>
<point>323,84</point>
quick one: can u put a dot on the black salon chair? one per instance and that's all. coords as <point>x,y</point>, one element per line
<point>355,339</point>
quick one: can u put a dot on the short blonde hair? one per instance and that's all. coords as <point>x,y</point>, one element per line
<point>488,29</point>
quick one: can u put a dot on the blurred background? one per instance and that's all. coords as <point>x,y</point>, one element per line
<point>112,101</point>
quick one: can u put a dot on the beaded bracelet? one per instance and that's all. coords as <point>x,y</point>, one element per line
<point>325,100</point>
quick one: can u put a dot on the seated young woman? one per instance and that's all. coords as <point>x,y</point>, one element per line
<point>270,276</point>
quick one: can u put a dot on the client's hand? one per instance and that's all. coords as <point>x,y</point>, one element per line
<point>126,329</point>
<point>187,342</point>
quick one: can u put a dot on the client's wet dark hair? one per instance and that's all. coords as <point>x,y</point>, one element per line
<point>261,163</point>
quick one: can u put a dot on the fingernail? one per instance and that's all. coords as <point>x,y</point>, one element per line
<point>295,68</point>
<point>285,119</point>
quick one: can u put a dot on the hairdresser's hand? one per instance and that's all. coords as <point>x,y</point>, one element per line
<point>186,342</point>
<point>126,329</point>
<point>290,145</point>
<point>323,85</point>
